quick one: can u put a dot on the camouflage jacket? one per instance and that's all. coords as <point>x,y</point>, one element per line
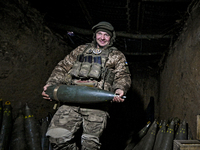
<point>116,62</point>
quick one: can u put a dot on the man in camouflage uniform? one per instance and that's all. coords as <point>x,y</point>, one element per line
<point>96,64</point>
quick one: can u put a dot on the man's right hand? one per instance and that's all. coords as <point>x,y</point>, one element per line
<point>45,96</point>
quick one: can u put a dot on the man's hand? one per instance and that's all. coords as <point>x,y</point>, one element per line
<point>119,93</point>
<point>45,96</point>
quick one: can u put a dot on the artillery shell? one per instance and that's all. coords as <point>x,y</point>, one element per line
<point>79,94</point>
<point>182,132</point>
<point>6,127</point>
<point>31,131</point>
<point>148,140</point>
<point>1,112</point>
<point>18,133</point>
<point>160,135</point>
<point>43,130</point>
<point>137,137</point>
<point>167,142</point>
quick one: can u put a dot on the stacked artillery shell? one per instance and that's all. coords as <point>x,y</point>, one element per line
<point>182,133</point>
<point>1,112</point>
<point>167,142</point>
<point>43,130</point>
<point>190,136</point>
<point>79,94</point>
<point>31,131</point>
<point>176,124</point>
<point>147,142</point>
<point>136,138</point>
<point>150,137</point>
<point>50,116</point>
<point>18,133</point>
<point>160,135</point>
<point>160,124</point>
<point>6,127</point>
<point>144,130</point>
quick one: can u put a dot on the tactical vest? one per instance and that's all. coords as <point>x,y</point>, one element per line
<point>90,65</point>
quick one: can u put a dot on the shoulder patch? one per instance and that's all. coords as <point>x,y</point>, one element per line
<point>127,68</point>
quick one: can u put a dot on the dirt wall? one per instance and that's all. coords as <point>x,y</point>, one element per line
<point>29,50</point>
<point>180,78</point>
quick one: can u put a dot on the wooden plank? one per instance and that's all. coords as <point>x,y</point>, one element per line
<point>198,127</point>
<point>186,145</point>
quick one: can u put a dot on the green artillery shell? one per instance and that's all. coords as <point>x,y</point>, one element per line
<point>31,130</point>
<point>144,130</point>
<point>79,94</point>
<point>160,135</point>
<point>18,133</point>
<point>167,142</point>
<point>150,137</point>
<point>190,136</point>
<point>182,132</point>
<point>50,116</point>
<point>176,124</point>
<point>147,142</point>
<point>1,111</point>
<point>136,138</point>
<point>6,127</point>
<point>43,130</point>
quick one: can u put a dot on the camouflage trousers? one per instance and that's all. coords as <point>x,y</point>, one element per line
<point>67,121</point>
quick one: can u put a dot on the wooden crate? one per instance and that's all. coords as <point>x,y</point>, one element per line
<point>186,145</point>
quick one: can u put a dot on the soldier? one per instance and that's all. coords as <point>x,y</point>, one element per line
<point>97,64</point>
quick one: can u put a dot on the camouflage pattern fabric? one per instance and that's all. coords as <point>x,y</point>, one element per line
<point>116,62</point>
<point>68,119</point>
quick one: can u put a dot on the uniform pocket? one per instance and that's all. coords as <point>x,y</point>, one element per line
<point>95,71</point>
<point>85,68</point>
<point>95,118</point>
<point>63,115</point>
<point>75,69</point>
<point>94,124</point>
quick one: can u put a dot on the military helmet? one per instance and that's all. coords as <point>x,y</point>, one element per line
<point>106,27</point>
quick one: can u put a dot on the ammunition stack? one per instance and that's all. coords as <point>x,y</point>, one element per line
<point>24,132</point>
<point>173,134</point>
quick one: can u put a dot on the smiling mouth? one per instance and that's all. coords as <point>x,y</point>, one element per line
<point>102,42</point>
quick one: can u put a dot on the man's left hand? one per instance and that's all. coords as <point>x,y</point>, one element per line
<point>118,98</point>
